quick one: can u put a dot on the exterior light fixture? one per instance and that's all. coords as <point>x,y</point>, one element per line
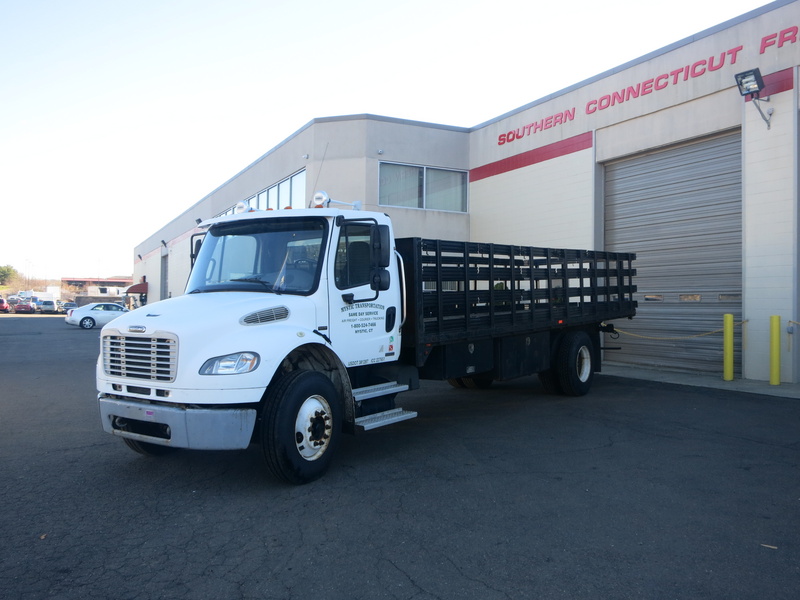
<point>163,243</point>
<point>750,83</point>
<point>322,200</point>
<point>198,221</point>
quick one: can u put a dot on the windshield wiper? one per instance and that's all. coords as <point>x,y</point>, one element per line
<point>266,284</point>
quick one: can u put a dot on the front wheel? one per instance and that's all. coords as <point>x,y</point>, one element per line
<point>300,426</point>
<point>147,448</point>
<point>575,368</point>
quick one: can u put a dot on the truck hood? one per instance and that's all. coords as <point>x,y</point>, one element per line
<point>212,312</point>
<point>219,324</point>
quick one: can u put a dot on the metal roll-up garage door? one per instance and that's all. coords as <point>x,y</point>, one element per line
<point>680,210</point>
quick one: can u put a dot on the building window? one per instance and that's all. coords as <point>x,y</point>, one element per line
<point>410,186</point>
<point>291,192</point>
<point>401,185</point>
<point>298,192</point>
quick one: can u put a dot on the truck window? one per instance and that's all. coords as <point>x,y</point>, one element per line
<point>269,255</point>
<point>233,258</point>
<point>352,266</point>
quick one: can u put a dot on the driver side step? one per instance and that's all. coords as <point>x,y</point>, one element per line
<point>380,389</point>
<point>384,418</point>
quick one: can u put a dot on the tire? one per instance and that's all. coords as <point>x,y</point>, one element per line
<point>574,365</point>
<point>86,323</point>
<point>148,449</point>
<point>481,381</point>
<point>300,427</point>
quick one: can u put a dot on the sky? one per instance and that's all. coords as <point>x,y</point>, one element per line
<point>115,117</point>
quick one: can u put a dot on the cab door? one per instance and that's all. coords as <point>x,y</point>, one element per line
<point>364,323</point>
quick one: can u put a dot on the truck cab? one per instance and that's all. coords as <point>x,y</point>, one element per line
<point>276,301</point>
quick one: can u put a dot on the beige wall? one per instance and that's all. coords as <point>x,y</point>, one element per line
<point>548,204</point>
<point>770,233</point>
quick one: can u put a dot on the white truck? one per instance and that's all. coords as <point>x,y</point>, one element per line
<point>300,325</point>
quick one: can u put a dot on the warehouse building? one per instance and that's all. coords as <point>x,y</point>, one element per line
<point>671,156</point>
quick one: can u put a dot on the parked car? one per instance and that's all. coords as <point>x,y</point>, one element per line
<point>67,306</point>
<point>47,306</point>
<point>25,306</point>
<point>5,306</point>
<point>94,315</point>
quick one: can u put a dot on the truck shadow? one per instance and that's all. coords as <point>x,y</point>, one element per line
<point>456,430</point>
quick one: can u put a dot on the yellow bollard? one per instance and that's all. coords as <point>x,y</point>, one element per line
<point>727,347</point>
<point>774,350</point>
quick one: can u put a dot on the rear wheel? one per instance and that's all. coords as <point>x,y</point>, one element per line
<point>574,366</point>
<point>301,426</point>
<point>86,323</point>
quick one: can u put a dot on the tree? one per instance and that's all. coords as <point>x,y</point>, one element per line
<point>7,273</point>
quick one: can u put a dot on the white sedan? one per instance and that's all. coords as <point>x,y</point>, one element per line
<point>97,314</point>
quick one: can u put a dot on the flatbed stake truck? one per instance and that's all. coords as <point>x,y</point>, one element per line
<point>300,325</point>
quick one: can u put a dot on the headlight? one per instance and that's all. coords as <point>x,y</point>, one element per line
<point>232,364</point>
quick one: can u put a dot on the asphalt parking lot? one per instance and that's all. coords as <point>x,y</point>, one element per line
<point>639,490</point>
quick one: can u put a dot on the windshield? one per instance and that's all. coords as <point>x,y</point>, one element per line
<point>265,255</point>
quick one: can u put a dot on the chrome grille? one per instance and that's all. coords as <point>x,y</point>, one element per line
<point>150,358</point>
<point>268,315</point>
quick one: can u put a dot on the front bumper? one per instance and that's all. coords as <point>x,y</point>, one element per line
<point>195,428</point>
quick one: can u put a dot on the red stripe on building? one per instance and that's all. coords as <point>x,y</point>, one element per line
<point>775,83</point>
<point>531,157</point>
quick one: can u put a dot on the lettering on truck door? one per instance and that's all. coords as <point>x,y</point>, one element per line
<point>365,331</point>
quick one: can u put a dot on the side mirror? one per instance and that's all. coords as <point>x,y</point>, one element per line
<point>197,241</point>
<point>379,280</point>
<point>380,246</point>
